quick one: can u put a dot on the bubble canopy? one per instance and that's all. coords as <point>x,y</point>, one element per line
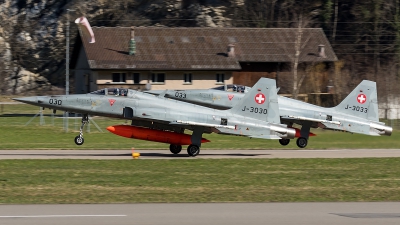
<point>111,91</point>
<point>233,88</point>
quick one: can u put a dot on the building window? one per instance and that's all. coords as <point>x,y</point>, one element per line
<point>220,78</point>
<point>119,77</point>
<point>136,78</point>
<point>187,78</point>
<point>158,78</point>
<point>185,39</point>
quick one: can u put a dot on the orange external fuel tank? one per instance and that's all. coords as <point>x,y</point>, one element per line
<point>148,134</point>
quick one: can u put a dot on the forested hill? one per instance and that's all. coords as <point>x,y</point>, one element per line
<point>364,34</point>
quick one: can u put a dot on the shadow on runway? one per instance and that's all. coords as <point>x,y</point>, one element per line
<point>186,155</point>
<point>155,155</point>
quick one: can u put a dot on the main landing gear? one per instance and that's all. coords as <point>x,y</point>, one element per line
<point>175,149</point>
<point>79,139</point>
<point>284,142</point>
<point>301,142</point>
<point>194,148</point>
<point>303,135</point>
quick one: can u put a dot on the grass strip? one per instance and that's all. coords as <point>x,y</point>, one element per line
<point>17,135</point>
<point>199,180</point>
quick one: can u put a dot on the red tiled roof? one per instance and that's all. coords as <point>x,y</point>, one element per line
<point>200,48</point>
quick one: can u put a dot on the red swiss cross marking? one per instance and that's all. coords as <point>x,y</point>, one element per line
<point>259,98</point>
<point>361,98</point>
<point>230,96</point>
<point>112,101</point>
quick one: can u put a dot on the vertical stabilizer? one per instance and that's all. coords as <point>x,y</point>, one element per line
<point>261,102</point>
<point>361,102</point>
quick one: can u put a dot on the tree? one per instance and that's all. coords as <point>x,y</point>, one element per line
<point>296,82</point>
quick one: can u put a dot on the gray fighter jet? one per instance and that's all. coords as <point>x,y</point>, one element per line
<point>357,113</point>
<point>161,119</point>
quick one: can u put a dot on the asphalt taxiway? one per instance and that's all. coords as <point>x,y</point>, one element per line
<point>165,154</point>
<point>362,213</point>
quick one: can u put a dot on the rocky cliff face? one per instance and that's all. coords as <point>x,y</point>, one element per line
<point>33,37</point>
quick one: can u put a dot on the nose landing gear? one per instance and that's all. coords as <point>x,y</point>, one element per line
<point>79,139</point>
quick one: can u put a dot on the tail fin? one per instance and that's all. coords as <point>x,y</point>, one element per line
<point>261,102</point>
<point>361,102</point>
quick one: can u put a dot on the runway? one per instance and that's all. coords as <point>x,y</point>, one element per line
<point>204,154</point>
<point>204,213</point>
<point>360,213</point>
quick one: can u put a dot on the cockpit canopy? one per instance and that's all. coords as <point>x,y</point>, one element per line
<point>111,91</point>
<point>233,88</point>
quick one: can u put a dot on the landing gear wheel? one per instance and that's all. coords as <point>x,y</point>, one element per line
<point>284,141</point>
<point>193,150</point>
<point>79,140</point>
<point>175,148</point>
<point>302,142</point>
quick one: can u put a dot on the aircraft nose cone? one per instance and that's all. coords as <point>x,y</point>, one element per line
<point>111,129</point>
<point>27,100</point>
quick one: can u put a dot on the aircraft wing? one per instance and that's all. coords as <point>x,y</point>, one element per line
<point>310,119</point>
<point>181,122</point>
<point>278,133</point>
